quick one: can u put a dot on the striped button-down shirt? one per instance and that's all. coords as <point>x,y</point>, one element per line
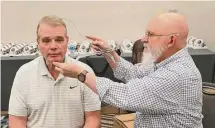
<point>165,95</point>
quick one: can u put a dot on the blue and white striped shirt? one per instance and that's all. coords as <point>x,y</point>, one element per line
<point>166,95</point>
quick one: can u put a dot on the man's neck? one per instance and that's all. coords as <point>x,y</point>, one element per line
<point>51,69</point>
<point>167,55</point>
<point>54,74</point>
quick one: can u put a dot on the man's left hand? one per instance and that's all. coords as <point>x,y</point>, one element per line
<point>70,70</point>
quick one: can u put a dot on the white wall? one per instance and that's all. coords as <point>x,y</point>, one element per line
<point>109,20</point>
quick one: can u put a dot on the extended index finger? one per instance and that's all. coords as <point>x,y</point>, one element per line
<point>93,38</point>
<point>57,64</point>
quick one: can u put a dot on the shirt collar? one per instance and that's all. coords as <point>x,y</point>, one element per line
<point>177,55</point>
<point>42,67</point>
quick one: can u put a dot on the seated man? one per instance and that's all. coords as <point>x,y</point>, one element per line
<point>167,96</point>
<point>42,97</point>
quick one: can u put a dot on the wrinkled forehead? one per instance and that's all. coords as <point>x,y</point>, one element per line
<point>47,30</point>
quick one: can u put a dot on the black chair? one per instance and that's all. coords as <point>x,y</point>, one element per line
<point>208,110</point>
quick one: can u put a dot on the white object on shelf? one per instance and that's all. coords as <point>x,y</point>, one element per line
<point>30,49</point>
<point>84,47</point>
<point>1,46</point>
<point>6,49</point>
<point>112,44</point>
<point>195,43</point>
<point>17,49</point>
<point>126,46</point>
<point>72,47</point>
<point>199,44</point>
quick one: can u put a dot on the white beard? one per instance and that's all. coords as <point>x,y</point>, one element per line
<point>147,58</point>
<point>151,55</point>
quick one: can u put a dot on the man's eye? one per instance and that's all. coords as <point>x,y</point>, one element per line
<point>59,40</point>
<point>46,40</point>
<point>150,34</point>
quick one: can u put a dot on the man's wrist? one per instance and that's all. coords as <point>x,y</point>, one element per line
<point>113,56</point>
<point>79,71</point>
<point>82,76</point>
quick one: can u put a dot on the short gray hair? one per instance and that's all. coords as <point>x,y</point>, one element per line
<point>53,21</point>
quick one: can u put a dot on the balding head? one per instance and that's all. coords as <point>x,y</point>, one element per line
<point>166,34</point>
<point>176,23</point>
<point>168,23</point>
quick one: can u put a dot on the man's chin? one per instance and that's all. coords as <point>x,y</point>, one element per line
<point>147,58</point>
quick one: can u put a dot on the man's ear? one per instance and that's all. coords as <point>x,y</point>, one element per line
<point>67,39</point>
<point>172,41</point>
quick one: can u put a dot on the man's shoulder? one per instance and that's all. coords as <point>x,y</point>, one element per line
<point>30,66</point>
<point>185,68</point>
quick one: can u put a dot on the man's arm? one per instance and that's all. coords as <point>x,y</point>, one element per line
<point>149,95</point>
<point>17,121</point>
<point>92,119</point>
<point>154,93</point>
<point>92,106</point>
<point>112,63</point>
<point>123,70</point>
<point>17,103</point>
<point>126,71</point>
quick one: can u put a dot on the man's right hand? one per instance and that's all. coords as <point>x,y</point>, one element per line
<point>99,44</point>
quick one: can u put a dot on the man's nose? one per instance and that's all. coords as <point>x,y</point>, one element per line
<point>144,39</point>
<point>53,45</point>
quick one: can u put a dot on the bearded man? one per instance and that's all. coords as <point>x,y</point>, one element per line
<point>165,91</point>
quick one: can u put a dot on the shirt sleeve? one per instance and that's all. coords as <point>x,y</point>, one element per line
<point>153,94</point>
<point>17,102</point>
<point>126,71</point>
<point>91,100</point>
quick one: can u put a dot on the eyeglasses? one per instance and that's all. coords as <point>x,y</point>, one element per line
<point>149,34</point>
